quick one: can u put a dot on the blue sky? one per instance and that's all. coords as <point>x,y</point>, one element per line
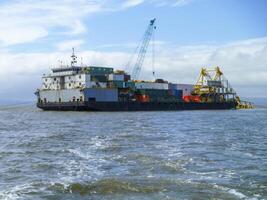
<point>201,21</point>
<point>190,34</point>
<point>194,22</point>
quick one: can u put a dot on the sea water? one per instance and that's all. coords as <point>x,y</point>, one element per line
<point>132,155</point>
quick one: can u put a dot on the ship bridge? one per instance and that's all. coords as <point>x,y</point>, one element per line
<point>67,69</point>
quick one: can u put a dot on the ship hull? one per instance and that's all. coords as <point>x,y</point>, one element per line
<point>135,106</point>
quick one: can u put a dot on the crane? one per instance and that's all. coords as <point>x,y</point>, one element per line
<point>213,86</point>
<point>143,49</point>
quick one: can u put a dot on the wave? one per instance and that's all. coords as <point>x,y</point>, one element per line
<point>117,186</point>
<point>234,192</point>
<point>113,186</point>
<point>21,191</point>
<point>106,186</point>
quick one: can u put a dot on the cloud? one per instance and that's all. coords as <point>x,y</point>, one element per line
<point>132,3</point>
<point>127,45</point>
<point>34,19</point>
<point>17,35</point>
<point>181,2</point>
<point>172,3</point>
<point>244,63</point>
<point>241,61</point>
<point>67,45</point>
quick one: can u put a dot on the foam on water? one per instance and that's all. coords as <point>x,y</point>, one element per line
<point>238,194</point>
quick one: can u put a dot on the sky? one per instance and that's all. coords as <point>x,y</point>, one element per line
<point>36,35</point>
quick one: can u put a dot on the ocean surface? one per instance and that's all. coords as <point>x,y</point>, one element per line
<point>132,155</point>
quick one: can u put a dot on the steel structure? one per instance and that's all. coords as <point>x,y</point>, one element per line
<point>143,49</point>
<point>212,86</point>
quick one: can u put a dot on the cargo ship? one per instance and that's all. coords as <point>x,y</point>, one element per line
<point>93,88</point>
<point>96,88</point>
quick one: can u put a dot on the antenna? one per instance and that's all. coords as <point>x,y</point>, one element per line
<point>81,61</point>
<point>74,58</point>
<point>60,63</point>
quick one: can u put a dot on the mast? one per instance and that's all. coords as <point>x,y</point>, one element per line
<point>73,58</point>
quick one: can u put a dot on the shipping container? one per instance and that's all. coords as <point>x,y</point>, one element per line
<point>117,84</point>
<point>186,88</point>
<point>101,95</point>
<point>130,85</point>
<point>177,93</point>
<point>99,78</point>
<point>152,92</point>
<point>151,85</point>
<point>93,70</point>
<point>116,77</point>
<point>127,77</point>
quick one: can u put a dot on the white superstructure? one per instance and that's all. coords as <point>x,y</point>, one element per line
<point>67,83</point>
<point>71,81</point>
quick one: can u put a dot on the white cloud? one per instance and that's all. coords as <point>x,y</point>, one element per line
<point>132,3</point>
<point>242,61</point>
<point>20,35</point>
<point>128,45</point>
<point>244,64</point>
<point>67,45</point>
<point>28,20</point>
<point>172,3</point>
<point>181,2</point>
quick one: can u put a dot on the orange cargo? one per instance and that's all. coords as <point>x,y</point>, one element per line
<point>187,98</point>
<point>192,98</point>
<point>142,98</point>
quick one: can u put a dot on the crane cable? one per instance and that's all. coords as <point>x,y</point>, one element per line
<point>129,63</point>
<point>153,55</point>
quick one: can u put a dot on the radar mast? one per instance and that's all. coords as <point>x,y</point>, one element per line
<point>73,58</point>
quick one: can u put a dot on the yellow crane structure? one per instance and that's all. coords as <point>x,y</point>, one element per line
<point>212,86</point>
<point>243,104</point>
